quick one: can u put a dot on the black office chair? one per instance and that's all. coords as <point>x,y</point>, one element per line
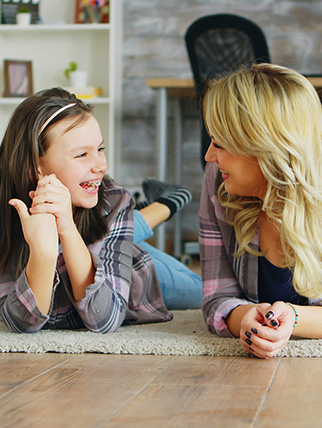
<point>219,44</point>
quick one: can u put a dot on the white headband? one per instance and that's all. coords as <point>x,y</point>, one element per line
<point>54,115</point>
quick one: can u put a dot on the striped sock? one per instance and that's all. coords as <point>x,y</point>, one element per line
<point>140,205</point>
<point>172,195</point>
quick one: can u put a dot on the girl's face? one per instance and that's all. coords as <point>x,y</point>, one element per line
<point>77,159</point>
<point>242,175</point>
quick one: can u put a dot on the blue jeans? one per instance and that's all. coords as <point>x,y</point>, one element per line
<point>181,288</point>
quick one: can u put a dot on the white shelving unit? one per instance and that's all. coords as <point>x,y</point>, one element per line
<point>95,47</point>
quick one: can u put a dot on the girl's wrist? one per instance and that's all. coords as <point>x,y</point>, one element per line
<point>68,230</point>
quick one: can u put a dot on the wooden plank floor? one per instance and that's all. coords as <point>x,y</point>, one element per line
<point>95,390</point>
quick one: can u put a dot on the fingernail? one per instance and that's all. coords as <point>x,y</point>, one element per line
<point>249,342</point>
<point>247,333</point>
<point>274,323</point>
<point>254,330</point>
<point>269,315</point>
<point>251,349</point>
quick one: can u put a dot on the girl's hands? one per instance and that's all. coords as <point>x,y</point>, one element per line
<point>52,197</point>
<point>40,231</point>
<point>266,329</point>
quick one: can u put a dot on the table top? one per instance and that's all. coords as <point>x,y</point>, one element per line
<point>185,87</point>
<point>175,87</point>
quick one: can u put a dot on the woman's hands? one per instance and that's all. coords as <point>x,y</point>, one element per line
<point>265,329</point>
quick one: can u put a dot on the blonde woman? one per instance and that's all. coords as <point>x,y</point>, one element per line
<point>261,208</point>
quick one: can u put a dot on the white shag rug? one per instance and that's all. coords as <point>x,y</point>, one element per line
<point>186,334</point>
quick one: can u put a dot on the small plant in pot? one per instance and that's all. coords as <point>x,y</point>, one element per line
<point>23,16</point>
<point>77,78</point>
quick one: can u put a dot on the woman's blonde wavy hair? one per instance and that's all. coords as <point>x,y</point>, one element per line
<point>274,113</point>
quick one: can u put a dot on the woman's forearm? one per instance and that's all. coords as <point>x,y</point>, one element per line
<point>309,322</point>
<point>235,317</point>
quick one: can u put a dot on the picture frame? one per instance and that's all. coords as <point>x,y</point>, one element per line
<point>18,78</point>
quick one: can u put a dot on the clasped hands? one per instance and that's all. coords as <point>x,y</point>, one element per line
<point>265,328</point>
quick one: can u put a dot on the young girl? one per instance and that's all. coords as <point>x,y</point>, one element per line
<point>261,208</point>
<point>67,258</point>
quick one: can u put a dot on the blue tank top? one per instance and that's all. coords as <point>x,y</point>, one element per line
<point>275,283</point>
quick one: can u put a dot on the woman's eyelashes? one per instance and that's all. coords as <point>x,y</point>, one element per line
<point>215,144</point>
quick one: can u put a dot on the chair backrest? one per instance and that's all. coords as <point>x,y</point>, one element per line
<point>219,44</point>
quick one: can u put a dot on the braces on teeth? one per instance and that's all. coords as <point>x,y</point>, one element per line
<point>91,183</point>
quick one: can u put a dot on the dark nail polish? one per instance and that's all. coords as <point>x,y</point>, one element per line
<point>251,349</point>
<point>247,333</point>
<point>269,315</point>
<point>274,323</point>
<point>249,342</point>
<point>254,330</point>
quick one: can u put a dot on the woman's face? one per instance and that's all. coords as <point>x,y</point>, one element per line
<point>242,175</point>
<point>77,159</point>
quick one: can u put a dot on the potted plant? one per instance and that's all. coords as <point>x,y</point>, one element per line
<point>77,78</point>
<point>23,16</point>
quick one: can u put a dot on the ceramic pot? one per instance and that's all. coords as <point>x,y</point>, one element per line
<point>78,78</point>
<point>23,19</point>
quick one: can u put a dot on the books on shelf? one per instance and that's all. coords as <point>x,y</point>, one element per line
<point>86,92</point>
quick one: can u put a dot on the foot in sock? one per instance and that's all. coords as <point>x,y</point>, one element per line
<point>173,196</point>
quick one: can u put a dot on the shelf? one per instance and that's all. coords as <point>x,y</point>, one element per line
<point>15,101</point>
<point>10,101</point>
<point>50,46</point>
<point>54,27</point>
<point>97,100</point>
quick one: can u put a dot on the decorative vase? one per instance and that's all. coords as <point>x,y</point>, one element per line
<point>78,78</point>
<point>23,19</point>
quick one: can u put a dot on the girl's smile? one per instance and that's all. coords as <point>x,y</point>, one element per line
<point>91,186</point>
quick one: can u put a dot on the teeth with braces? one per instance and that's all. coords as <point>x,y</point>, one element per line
<point>91,183</point>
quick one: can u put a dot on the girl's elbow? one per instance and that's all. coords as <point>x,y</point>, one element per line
<point>111,322</point>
